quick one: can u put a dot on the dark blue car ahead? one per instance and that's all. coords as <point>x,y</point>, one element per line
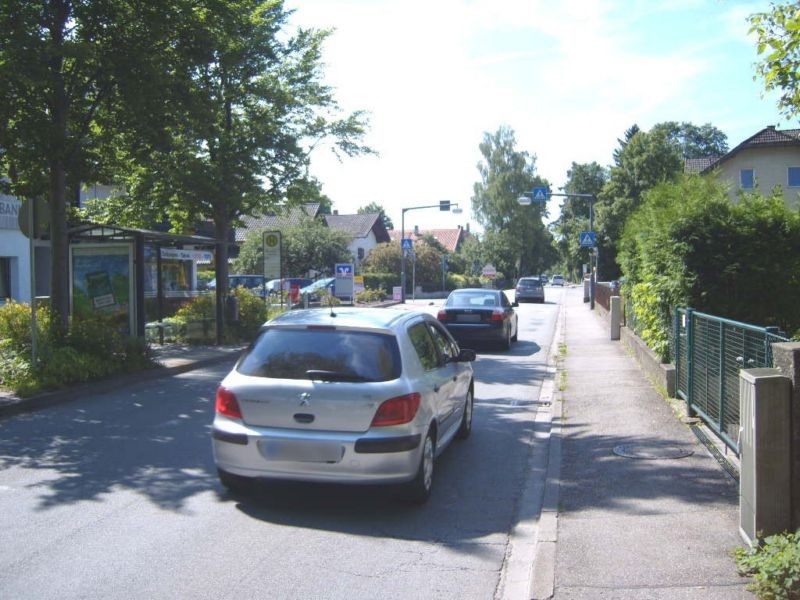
<point>474,316</point>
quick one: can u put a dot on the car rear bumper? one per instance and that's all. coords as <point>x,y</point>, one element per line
<point>477,333</point>
<point>358,458</point>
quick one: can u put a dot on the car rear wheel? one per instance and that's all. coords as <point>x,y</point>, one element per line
<point>466,420</point>
<point>506,343</point>
<point>235,483</point>
<point>418,490</point>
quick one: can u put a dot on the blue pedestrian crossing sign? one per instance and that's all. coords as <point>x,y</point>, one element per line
<point>407,244</point>
<point>540,194</point>
<point>588,239</point>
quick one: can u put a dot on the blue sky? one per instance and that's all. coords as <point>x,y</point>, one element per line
<point>568,77</point>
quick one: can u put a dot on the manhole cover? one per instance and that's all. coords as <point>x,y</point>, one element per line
<point>651,451</point>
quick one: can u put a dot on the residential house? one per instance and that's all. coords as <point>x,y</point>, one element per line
<point>365,231</point>
<point>768,159</point>
<point>450,239</point>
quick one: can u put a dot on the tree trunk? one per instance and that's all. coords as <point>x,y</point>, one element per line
<point>59,247</point>
<point>59,242</point>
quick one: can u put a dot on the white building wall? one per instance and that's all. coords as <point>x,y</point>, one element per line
<point>15,247</point>
<point>366,243</point>
<point>770,168</point>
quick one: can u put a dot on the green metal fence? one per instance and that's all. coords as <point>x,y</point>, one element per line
<point>708,353</point>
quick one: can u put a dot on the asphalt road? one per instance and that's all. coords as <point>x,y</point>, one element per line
<point>116,496</point>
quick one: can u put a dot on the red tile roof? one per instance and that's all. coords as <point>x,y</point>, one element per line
<point>449,238</point>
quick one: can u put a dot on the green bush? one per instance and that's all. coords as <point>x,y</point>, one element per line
<point>370,295</point>
<point>384,281</point>
<point>91,349</point>
<point>774,565</point>
<point>689,245</point>
<point>253,312</point>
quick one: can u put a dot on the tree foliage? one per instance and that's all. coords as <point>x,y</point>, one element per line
<point>777,34</point>
<point>687,244</point>
<point>310,245</point>
<point>375,208</point>
<point>75,74</point>
<point>694,141</point>
<point>581,179</point>
<point>516,240</point>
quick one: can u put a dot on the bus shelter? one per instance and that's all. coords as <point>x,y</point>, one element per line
<point>121,271</point>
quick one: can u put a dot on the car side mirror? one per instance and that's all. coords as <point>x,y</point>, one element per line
<point>515,304</point>
<point>466,355</point>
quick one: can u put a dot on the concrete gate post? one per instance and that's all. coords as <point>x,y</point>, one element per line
<point>786,357</point>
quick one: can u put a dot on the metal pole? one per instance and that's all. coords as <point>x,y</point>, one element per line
<point>413,276</point>
<point>32,230</point>
<point>592,257</point>
<point>402,256</point>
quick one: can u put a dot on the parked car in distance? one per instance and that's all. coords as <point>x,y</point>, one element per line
<point>529,289</point>
<point>273,285</point>
<point>254,283</point>
<point>557,280</point>
<point>543,279</point>
<point>359,395</point>
<point>479,315</point>
<point>313,290</point>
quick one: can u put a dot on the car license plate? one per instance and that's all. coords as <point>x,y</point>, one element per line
<point>302,451</point>
<point>469,318</point>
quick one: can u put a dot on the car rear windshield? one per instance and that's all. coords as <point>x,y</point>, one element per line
<point>297,353</point>
<point>529,283</point>
<point>471,299</point>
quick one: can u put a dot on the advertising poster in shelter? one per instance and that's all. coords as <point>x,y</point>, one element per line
<point>102,283</point>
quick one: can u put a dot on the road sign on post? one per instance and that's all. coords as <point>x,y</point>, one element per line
<point>407,245</point>
<point>588,239</point>
<point>540,194</point>
<point>489,271</point>
<point>444,204</point>
<point>272,255</point>
<point>343,284</point>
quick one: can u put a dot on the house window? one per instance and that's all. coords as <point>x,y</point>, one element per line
<point>794,177</point>
<point>747,179</point>
<point>5,278</point>
<point>360,254</point>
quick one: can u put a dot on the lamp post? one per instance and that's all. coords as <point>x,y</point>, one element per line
<point>444,205</point>
<point>525,201</point>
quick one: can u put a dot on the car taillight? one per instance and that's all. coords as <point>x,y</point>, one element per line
<point>497,315</point>
<point>227,404</point>
<point>442,315</point>
<point>397,411</point>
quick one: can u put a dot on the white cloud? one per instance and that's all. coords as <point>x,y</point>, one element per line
<point>568,77</point>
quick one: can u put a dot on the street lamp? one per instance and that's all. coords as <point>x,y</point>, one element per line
<point>524,200</point>
<point>444,205</point>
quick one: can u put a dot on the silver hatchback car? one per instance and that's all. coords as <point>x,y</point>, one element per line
<point>345,395</point>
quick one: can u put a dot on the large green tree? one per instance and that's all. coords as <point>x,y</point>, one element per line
<point>647,158</point>
<point>310,245</point>
<point>778,42</point>
<point>523,243</point>
<point>72,71</point>
<point>253,106</point>
<point>586,178</point>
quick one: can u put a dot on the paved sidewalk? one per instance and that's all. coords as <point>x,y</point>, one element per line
<point>623,523</point>
<point>173,358</point>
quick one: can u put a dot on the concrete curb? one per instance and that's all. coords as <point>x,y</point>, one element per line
<point>529,567</point>
<point>17,406</point>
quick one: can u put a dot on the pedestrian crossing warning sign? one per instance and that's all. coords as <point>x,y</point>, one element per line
<point>540,194</point>
<point>588,239</point>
